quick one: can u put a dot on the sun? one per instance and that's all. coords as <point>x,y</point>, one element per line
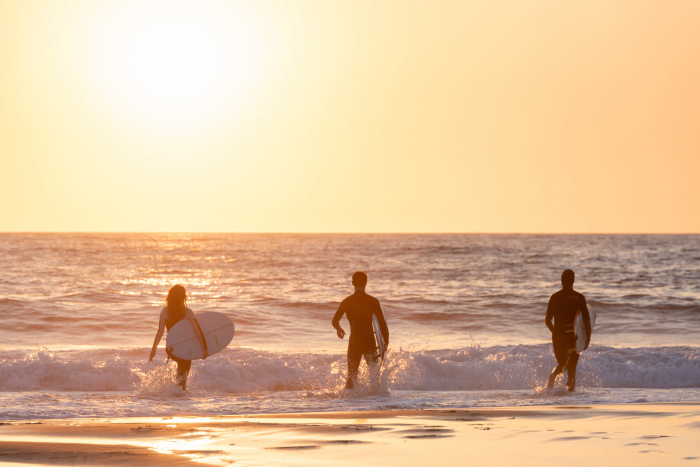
<point>174,66</point>
<point>176,60</point>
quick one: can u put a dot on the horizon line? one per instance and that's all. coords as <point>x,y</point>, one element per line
<point>331,233</point>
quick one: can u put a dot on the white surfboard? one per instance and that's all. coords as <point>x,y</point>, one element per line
<point>580,328</point>
<point>218,330</point>
<point>379,337</point>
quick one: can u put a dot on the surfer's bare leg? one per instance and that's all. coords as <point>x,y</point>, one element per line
<point>183,370</point>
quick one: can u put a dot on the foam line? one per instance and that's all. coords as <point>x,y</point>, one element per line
<point>243,370</point>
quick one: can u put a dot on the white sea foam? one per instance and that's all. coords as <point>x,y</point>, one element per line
<point>116,383</point>
<point>249,371</point>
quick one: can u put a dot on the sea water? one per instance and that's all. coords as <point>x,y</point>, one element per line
<point>466,316</point>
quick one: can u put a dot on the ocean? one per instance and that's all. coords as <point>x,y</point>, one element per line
<point>465,313</point>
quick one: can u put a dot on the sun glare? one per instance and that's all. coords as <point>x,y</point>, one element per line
<point>160,65</point>
<point>175,60</point>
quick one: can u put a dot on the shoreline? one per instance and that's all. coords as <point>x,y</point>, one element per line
<point>626,434</point>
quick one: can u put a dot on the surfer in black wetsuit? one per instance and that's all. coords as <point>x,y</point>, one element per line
<point>359,308</point>
<point>170,315</point>
<point>562,307</point>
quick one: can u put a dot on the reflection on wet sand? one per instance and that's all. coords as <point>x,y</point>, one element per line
<point>648,434</point>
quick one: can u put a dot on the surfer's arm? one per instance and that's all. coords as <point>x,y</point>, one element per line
<point>189,314</point>
<point>550,324</point>
<point>336,321</point>
<point>159,336</point>
<point>550,316</point>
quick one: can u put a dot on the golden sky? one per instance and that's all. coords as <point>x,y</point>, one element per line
<point>349,116</point>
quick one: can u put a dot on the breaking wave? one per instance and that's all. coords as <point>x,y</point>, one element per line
<point>243,370</point>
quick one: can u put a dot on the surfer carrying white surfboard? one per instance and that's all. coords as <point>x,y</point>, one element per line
<point>359,308</point>
<point>174,311</point>
<point>562,308</point>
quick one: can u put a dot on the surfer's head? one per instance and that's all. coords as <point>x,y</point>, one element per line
<point>567,278</point>
<point>359,280</point>
<point>176,301</point>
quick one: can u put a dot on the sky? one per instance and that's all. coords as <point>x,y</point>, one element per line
<point>350,116</point>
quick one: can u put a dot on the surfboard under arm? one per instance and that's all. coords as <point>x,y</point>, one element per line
<point>378,336</point>
<point>217,330</point>
<point>580,328</point>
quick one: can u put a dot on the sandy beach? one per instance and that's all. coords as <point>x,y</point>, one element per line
<point>630,434</point>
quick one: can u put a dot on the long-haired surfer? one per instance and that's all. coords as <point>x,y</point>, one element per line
<point>359,308</point>
<point>562,307</point>
<point>174,311</point>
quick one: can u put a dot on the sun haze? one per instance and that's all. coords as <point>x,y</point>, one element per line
<point>362,116</point>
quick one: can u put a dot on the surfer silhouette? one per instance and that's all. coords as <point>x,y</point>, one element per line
<point>359,308</point>
<point>562,308</point>
<point>174,311</point>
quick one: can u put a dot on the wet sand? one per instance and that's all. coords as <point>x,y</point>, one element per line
<point>630,434</point>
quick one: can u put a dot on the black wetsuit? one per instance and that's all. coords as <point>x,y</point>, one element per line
<point>359,308</point>
<point>563,306</point>
<point>183,366</point>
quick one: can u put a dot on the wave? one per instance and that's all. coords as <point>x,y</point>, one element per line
<point>45,370</point>
<point>242,370</point>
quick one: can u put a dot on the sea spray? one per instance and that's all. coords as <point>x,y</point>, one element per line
<point>241,370</point>
<point>43,369</point>
<point>160,381</point>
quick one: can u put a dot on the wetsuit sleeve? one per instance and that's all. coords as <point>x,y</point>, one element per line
<point>550,309</point>
<point>584,311</point>
<point>550,314</point>
<point>338,314</point>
